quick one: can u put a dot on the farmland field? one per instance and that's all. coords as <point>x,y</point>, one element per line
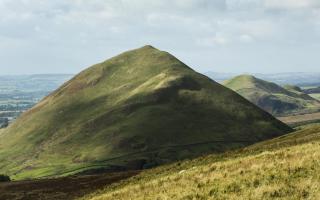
<point>20,93</point>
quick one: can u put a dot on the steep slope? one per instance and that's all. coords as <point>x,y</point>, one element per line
<point>312,90</point>
<point>271,97</point>
<point>136,110</point>
<point>285,168</point>
<point>294,88</point>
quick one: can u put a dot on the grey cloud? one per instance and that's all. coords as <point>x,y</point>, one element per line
<point>204,33</point>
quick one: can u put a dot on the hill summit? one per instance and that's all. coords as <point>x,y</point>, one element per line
<point>270,96</point>
<point>139,109</point>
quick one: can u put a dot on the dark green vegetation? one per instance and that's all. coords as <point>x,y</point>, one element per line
<point>286,168</point>
<point>312,90</point>
<point>65,188</point>
<point>20,93</point>
<point>4,178</point>
<point>4,122</point>
<point>137,110</point>
<point>271,97</point>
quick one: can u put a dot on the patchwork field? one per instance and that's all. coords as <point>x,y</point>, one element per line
<point>21,92</point>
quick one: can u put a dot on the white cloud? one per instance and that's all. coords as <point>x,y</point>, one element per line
<point>102,28</point>
<point>246,38</point>
<point>292,4</point>
<point>218,39</point>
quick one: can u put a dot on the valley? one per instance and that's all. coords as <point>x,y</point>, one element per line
<point>159,100</point>
<point>21,92</point>
<point>316,95</point>
<point>301,119</point>
<point>278,100</point>
<point>313,90</point>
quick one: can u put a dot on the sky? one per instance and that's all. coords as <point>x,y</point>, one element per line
<point>251,36</point>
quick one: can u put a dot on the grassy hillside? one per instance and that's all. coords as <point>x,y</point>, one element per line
<point>78,186</point>
<point>287,167</point>
<point>271,97</point>
<point>136,110</point>
<point>312,90</point>
<point>316,96</point>
<point>301,119</point>
<point>62,188</point>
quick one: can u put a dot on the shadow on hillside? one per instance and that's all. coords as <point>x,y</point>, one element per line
<point>60,188</point>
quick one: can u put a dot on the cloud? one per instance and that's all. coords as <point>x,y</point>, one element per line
<point>246,38</point>
<point>218,39</point>
<point>291,4</point>
<point>98,29</point>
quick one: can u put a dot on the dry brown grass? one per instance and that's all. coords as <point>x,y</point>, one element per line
<point>59,188</point>
<point>287,172</point>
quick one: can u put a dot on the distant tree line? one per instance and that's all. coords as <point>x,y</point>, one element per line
<point>15,107</point>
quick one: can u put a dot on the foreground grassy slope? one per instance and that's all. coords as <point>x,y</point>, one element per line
<point>62,188</point>
<point>272,97</point>
<point>136,110</point>
<point>287,167</point>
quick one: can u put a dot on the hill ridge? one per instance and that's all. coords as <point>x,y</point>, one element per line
<point>139,100</point>
<point>270,96</point>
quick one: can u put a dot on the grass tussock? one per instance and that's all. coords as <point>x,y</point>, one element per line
<point>284,168</point>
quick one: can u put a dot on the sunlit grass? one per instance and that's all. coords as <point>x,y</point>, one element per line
<point>283,168</point>
<point>316,96</point>
<point>138,101</point>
